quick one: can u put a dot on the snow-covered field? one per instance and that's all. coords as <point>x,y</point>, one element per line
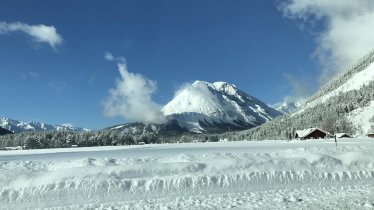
<point>311,174</point>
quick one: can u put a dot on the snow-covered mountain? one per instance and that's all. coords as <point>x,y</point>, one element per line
<point>203,107</point>
<point>354,91</point>
<point>352,80</point>
<point>356,87</point>
<point>19,126</point>
<point>217,106</point>
<point>343,105</point>
<point>288,107</point>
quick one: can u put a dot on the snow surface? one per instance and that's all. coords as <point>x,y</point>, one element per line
<point>312,174</point>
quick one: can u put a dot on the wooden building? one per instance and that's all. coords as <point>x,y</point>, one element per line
<point>311,133</point>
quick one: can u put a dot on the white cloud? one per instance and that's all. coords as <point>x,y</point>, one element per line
<point>108,56</point>
<point>40,33</point>
<point>131,98</point>
<point>196,88</point>
<point>347,33</point>
<point>302,88</point>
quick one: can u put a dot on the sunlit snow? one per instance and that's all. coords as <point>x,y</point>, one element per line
<point>310,174</point>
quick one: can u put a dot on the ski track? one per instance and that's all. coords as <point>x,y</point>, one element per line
<point>306,176</point>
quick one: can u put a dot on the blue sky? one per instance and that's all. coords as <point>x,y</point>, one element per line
<point>248,43</point>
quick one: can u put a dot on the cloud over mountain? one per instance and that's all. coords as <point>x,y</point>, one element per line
<point>344,30</point>
<point>132,98</point>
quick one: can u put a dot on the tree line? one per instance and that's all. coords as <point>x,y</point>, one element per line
<point>62,139</point>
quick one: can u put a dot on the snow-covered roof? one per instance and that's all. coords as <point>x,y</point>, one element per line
<point>340,135</point>
<point>306,132</point>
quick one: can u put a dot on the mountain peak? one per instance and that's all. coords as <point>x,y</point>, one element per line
<point>287,107</point>
<point>221,84</point>
<point>226,87</point>
<point>199,82</point>
<point>202,105</point>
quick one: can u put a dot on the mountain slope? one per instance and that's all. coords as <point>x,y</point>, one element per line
<point>353,90</point>
<point>215,107</point>
<point>345,104</point>
<point>4,131</point>
<point>146,129</point>
<point>354,79</point>
<point>16,126</point>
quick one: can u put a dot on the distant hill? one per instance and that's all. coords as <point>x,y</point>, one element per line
<point>17,126</point>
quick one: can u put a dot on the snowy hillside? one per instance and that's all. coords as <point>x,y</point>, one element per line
<point>355,84</point>
<point>223,175</point>
<point>203,106</point>
<point>19,126</point>
<point>146,129</point>
<point>344,105</point>
<point>363,118</point>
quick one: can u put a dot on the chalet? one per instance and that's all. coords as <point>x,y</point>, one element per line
<point>343,135</point>
<point>311,133</point>
<point>371,135</point>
